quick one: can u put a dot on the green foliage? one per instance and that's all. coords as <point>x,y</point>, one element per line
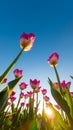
<point>69,101</point>
<point>60,100</point>
<point>12,84</point>
<point>3,98</point>
<point>59,121</point>
<point>71,77</point>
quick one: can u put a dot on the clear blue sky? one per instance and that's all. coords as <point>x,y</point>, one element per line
<point>52,23</point>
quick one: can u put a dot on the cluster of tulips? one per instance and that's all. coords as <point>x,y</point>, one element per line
<point>24,114</point>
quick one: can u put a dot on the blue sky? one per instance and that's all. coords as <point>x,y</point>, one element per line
<point>52,23</point>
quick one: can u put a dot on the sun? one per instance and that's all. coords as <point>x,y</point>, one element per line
<point>48,111</point>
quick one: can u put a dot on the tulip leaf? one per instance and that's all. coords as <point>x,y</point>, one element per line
<point>6,92</point>
<point>60,100</point>
<point>31,103</point>
<point>69,101</point>
<point>3,98</point>
<point>33,125</point>
<point>12,84</point>
<point>10,67</point>
<point>58,117</point>
<point>16,116</point>
<point>71,77</point>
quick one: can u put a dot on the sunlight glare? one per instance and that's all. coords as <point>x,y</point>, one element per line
<point>47,110</point>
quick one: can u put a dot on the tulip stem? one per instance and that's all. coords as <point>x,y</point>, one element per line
<point>10,67</point>
<point>58,79</point>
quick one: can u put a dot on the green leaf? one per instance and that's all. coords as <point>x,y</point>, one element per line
<point>33,125</point>
<point>69,101</point>
<point>6,92</point>
<point>31,106</point>
<point>60,100</point>
<point>16,116</point>
<point>10,67</point>
<point>8,122</point>
<point>71,77</point>
<point>3,98</point>
<point>58,117</point>
<point>12,84</point>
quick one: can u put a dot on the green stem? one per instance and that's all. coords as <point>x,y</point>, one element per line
<point>33,99</point>
<point>36,100</point>
<point>36,104</point>
<point>19,100</point>
<point>12,107</point>
<point>62,113</point>
<point>43,107</point>
<point>58,79</point>
<point>10,67</point>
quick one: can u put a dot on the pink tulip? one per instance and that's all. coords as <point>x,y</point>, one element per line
<point>53,59</point>
<point>26,95</point>
<point>34,83</point>
<point>57,106</point>
<point>12,98</point>
<point>46,98</point>
<point>44,91</point>
<point>30,93</point>
<point>21,95</point>
<point>17,73</point>
<point>65,85</point>
<point>13,93</point>
<point>22,104</point>
<point>56,86</point>
<point>71,94</point>
<point>26,41</point>
<point>23,85</point>
<point>4,80</point>
<point>37,89</point>
<point>27,105</point>
<point>8,103</point>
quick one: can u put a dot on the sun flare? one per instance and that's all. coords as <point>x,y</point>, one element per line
<point>47,110</point>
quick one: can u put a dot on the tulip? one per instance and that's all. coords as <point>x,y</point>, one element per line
<point>8,103</point>
<point>26,95</point>
<point>71,94</point>
<point>4,80</point>
<point>30,93</point>
<point>37,90</point>
<point>56,86</point>
<point>26,41</point>
<point>64,84</point>
<point>46,98</point>
<point>12,98</point>
<point>44,91</point>
<point>34,83</point>
<point>23,85</point>
<point>13,93</point>
<point>27,105</point>
<point>22,104</point>
<point>53,59</point>
<point>17,73</point>
<point>21,95</point>
<point>57,106</point>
